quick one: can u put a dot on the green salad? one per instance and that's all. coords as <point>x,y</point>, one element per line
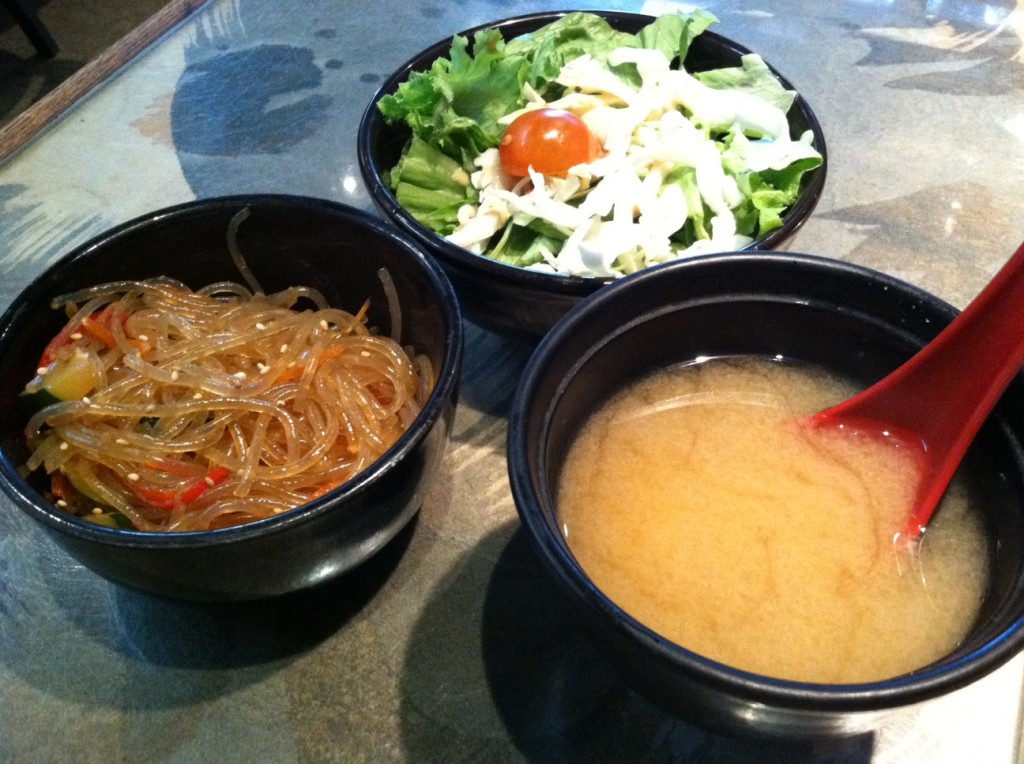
<point>582,150</point>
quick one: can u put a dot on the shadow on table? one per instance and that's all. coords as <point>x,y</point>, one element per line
<point>73,636</point>
<point>236,635</point>
<point>521,680</point>
<point>491,369</point>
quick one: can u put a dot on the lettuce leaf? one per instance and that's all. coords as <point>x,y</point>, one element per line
<point>521,243</point>
<point>431,186</point>
<point>456,105</point>
<point>552,46</point>
<point>672,33</point>
<point>698,222</point>
<point>753,76</point>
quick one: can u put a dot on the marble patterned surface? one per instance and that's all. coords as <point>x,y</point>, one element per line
<point>450,646</point>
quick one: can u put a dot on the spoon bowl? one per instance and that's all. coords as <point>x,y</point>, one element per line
<point>935,403</point>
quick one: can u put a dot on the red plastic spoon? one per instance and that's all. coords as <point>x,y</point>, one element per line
<point>938,399</point>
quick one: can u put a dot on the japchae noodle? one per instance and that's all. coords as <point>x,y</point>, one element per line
<point>214,408</point>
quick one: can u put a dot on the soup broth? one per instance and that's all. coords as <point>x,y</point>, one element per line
<point>698,503</point>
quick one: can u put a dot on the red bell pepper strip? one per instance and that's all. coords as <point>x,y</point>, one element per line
<point>165,499</point>
<point>214,477</point>
<point>63,337</point>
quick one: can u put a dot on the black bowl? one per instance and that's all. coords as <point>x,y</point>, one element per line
<point>858,323</point>
<point>513,300</point>
<point>286,241</point>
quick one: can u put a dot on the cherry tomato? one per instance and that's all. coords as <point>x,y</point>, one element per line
<point>549,140</point>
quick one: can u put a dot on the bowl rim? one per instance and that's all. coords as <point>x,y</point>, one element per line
<point>372,121</point>
<point>919,685</point>
<point>39,290</point>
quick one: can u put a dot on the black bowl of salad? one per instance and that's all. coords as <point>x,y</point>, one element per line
<point>543,156</point>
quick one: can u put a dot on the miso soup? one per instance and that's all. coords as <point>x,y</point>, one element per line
<point>696,501</point>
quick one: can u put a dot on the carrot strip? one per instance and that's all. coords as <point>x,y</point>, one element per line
<point>320,490</point>
<point>99,331</point>
<point>290,374</point>
<point>330,353</point>
<point>361,315</point>
<point>61,487</point>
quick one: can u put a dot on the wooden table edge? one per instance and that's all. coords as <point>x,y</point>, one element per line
<point>28,123</point>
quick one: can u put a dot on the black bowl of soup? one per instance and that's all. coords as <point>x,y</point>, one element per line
<point>744,571</point>
<point>494,288</point>
<point>263,407</point>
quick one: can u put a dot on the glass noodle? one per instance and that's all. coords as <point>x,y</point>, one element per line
<point>217,407</point>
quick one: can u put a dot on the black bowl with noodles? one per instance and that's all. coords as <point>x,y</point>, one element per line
<point>854,322</point>
<point>286,241</point>
<point>516,301</point>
